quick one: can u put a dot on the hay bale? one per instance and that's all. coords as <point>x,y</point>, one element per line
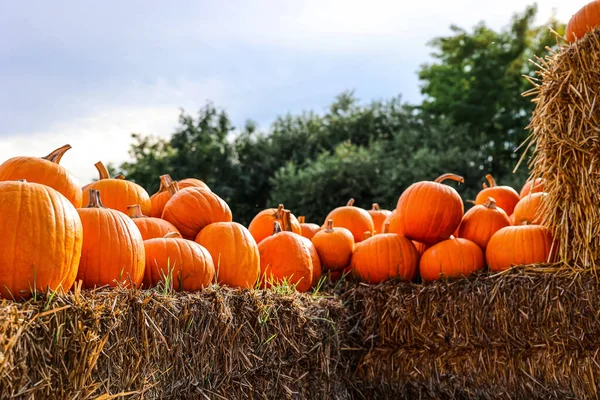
<point>565,132</point>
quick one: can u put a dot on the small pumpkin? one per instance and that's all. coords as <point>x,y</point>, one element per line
<point>530,209</point>
<point>113,248</point>
<point>149,227</point>
<point>118,193</point>
<point>385,256</point>
<point>334,246</point>
<point>505,196</point>
<point>160,198</point>
<point>532,186</point>
<point>41,240</point>
<point>308,230</point>
<point>286,255</point>
<point>355,219</point>
<point>261,226</point>
<point>192,182</point>
<point>481,222</point>
<point>234,252</point>
<point>429,212</point>
<point>379,217</point>
<point>394,221</point>
<point>519,245</point>
<point>583,21</point>
<point>47,171</point>
<point>452,258</point>
<point>193,208</point>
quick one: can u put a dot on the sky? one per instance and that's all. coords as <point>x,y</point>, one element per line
<point>91,73</point>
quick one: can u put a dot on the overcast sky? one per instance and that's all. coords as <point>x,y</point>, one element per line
<point>90,73</point>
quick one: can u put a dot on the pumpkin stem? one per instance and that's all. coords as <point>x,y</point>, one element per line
<point>102,171</point>
<point>287,221</point>
<point>491,180</point>
<point>367,235</point>
<point>173,188</point>
<point>386,228</point>
<point>279,212</point>
<point>301,219</point>
<point>375,207</point>
<point>165,182</point>
<point>135,211</point>
<point>484,185</point>
<point>95,201</point>
<point>120,176</point>
<point>172,235</point>
<point>57,154</point>
<point>350,203</point>
<point>276,228</point>
<point>490,203</point>
<point>329,226</point>
<point>453,177</point>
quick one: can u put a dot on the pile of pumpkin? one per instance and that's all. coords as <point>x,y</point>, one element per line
<point>112,232</point>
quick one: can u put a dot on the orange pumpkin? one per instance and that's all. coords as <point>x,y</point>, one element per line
<point>429,212</point>
<point>234,252</point>
<point>308,230</point>
<point>532,186</point>
<point>394,220</point>
<point>379,217</point>
<point>316,262</point>
<point>511,219</point>
<point>421,247</point>
<point>481,222</point>
<point>160,198</point>
<point>193,208</point>
<point>530,209</point>
<point>41,240</point>
<point>385,256</point>
<point>113,248</point>
<point>505,196</point>
<point>149,227</point>
<point>261,226</point>
<point>46,171</point>
<point>183,263</point>
<point>355,219</point>
<point>583,21</point>
<point>118,193</point>
<point>286,256</point>
<point>452,258</point>
<point>192,182</point>
<point>334,246</point>
<point>519,245</point>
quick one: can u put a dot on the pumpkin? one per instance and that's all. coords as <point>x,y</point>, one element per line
<point>192,182</point>
<point>45,170</point>
<point>160,198</point>
<point>379,216</point>
<point>511,219</point>
<point>149,227</point>
<point>234,252</point>
<point>532,186</point>
<point>113,248</point>
<point>385,256</point>
<point>308,230</point>
<point>583,21</point>
<point>182,263</point>
<point>421,247</point>
<point>118,193</point>
<point>452,258</point>
<point>193,208</point>
<point>355,219</point>
<point>519,245</point>
<point>334,246</point>
<point>530,209</point>
<point>394,220</point>
<point>286,256</point>
<point>481,222</point>
<point>429,212</point>
<point>41,240</point>
<point>316,262</point>
<point>505,196</point>
<point>261,225</point>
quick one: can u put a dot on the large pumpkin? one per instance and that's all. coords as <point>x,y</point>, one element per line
<point>193,208</point>
<point>530,209</point>
<point>286,256</point>
<point>308,229</point>
<point>118,193</point>
<point>429,212</point>
<point>385,256</point>
<point>519,245</point>
<point>234,252</point>
<point>113,248</point>
<point>160,198</point>
<point>41,240</point>
<point>583,21</point>
<point>149,227</point>
<point>481,222</point>
<point>452,258</point>
<point>357,220</point>
<point>179,262</point>
<point>45,170</point>
<point>505,196</point>
<point>532,186</point>
<point>335,246</point>
<point>379,217</point>
<point>261,226</point>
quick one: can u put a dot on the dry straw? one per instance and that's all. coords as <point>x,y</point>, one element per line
<point>565,130</point>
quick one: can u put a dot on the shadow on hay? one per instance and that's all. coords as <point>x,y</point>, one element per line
<point>523,334</point>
